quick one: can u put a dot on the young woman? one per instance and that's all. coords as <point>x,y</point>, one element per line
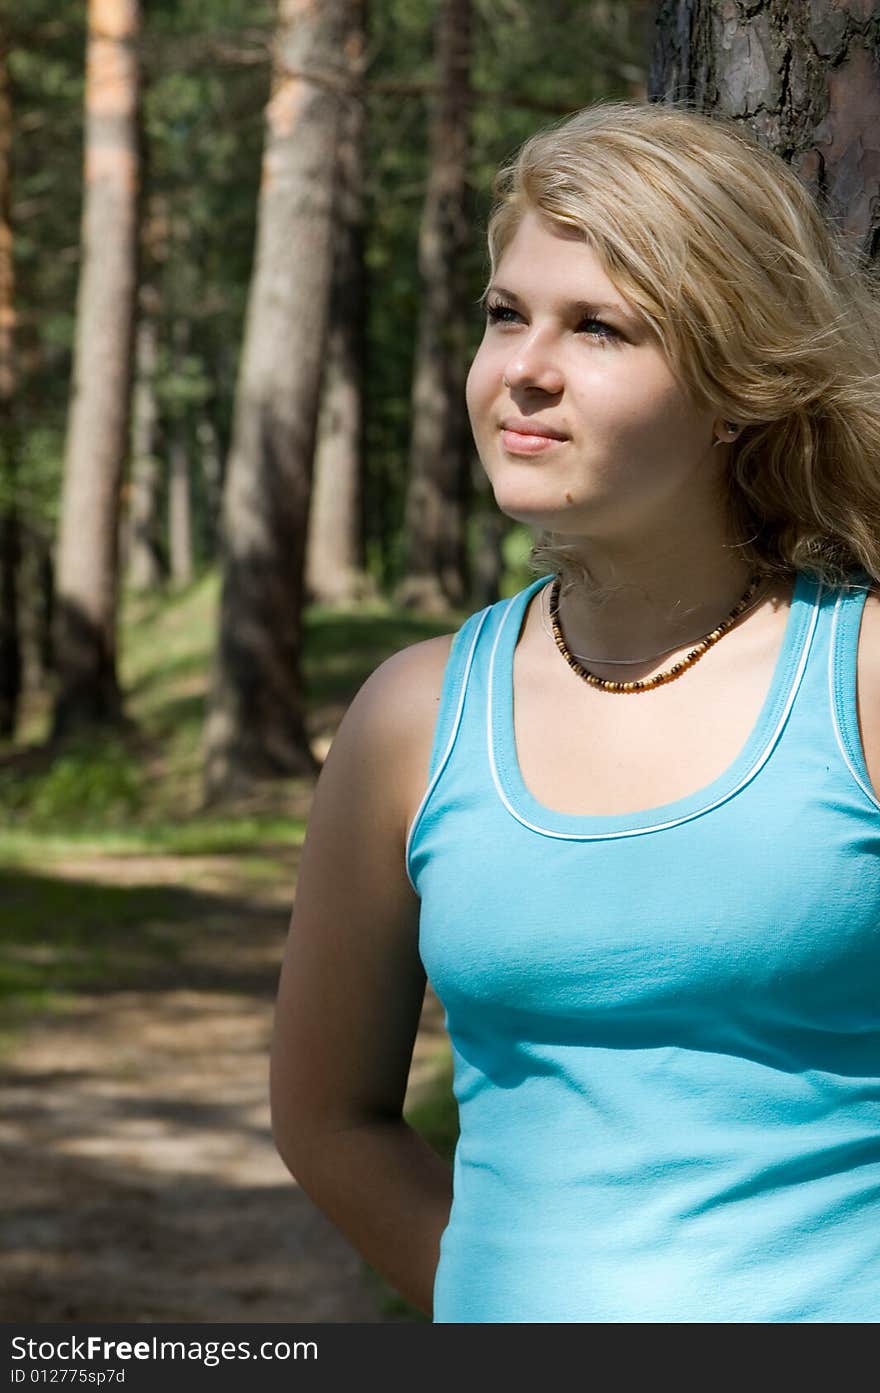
<point>628,821</point>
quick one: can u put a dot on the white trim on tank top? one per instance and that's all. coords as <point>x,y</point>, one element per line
<point>657,826</point>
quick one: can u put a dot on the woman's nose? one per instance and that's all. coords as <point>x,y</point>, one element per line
<point>533,365</point>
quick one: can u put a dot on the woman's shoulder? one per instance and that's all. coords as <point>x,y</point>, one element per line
<point>411,680</point>
<point>413,676</point>
<point>386,735</point>
<point>868,704</point>
<point>869,630</point>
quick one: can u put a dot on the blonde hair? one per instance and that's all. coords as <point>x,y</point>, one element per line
<point>764,311</point>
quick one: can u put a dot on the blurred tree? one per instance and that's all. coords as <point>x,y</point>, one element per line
<point>806,82</point>
<point>256,720</point>
<point>143,556</point>
<point>335,573</point>
<point>97,444</point>
<point>529,65</point>
<point>435,574</point>
<point>180,538</point>
<point>207,68</point>
<point>10,649</point>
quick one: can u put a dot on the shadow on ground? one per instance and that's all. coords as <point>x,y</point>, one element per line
<point>138,1177</point>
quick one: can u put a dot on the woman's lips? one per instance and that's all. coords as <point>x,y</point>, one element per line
<point>518,443</point>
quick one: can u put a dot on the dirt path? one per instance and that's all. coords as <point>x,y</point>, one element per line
<point>138,1178</point>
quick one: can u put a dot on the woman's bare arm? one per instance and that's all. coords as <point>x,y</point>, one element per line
<point>352,986</point>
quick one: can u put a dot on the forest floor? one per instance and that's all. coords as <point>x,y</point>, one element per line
<point>141,938</point>
<point>138,1176</point>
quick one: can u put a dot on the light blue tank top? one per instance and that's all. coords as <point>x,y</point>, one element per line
<point>665,1024</point>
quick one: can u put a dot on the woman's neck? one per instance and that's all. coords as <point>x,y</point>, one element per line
<point>626,609</point>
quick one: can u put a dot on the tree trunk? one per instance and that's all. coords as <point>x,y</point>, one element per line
<point>256,722</point>
<point>10,650</point>
<point>97,439</point>
<point>179,507</point>
<point>144,553</point>
<point>180,541</point>
<point>805,80</point>
<point>436,559</point>
<point>335,572</point>
<point>36,606</point>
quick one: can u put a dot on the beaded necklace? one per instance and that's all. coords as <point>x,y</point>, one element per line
<point>662,677</point>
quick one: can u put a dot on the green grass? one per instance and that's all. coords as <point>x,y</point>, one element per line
<point>141,791</point>
<point>201,836</point>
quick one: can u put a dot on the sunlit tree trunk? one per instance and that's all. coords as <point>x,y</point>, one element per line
<point>10,648</point>
<point>180,542</point>
<point>180,538</point>
<point>334,553</point>
<point>435,559</point>
<point>97,438</point>
<point>805,79</point>
<point>256,716</point>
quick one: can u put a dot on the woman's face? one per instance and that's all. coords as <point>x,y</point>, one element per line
<point>563,352</point>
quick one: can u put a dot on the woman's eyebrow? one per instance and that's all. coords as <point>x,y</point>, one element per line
<point>578,306</point>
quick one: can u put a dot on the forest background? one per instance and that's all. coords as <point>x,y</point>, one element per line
<point>241,254</point>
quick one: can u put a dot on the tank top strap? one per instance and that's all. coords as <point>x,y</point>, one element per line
<point>843,647</point>
<point>453,693</point>
<point>460,726</point>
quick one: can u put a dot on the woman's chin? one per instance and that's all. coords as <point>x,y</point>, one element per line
<point>546,516</point>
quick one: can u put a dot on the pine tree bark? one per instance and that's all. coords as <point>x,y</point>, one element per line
<point>10,545</point>
<point>804,78</point>
<point>256,720</point>
<point>97,439</point>
<point>435,567</point>
<point>335,573</point>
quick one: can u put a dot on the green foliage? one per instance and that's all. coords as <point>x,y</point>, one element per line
<point>531,65</point>
<point>515,552</point>
<point>47,43</point>
<point>92,783</point>
<point>34,484</point>
<point>435,1116</point>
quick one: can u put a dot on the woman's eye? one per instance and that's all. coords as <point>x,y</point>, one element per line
<point>501,314</point>
<point>506,314</point>
<point>606,330</point>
